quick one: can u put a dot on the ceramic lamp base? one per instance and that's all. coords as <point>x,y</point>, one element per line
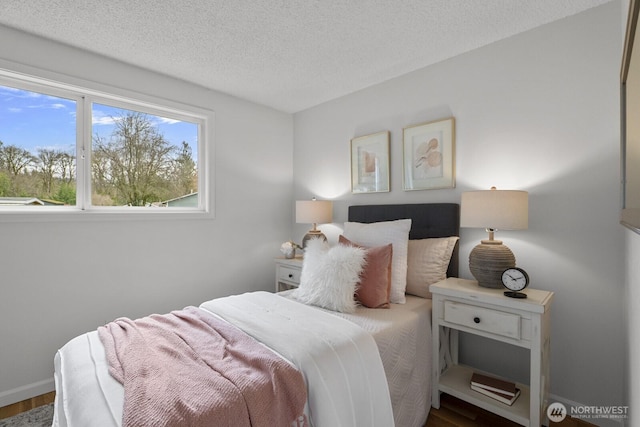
<point>312,234</point>
<point>488,260</point>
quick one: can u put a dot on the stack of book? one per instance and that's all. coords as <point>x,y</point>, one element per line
<point>503,391</point>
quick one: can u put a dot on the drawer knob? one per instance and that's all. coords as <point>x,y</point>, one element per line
<point>476,319</point>
<point>290,276</point>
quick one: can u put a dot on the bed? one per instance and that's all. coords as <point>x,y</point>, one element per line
<point>383,379</point>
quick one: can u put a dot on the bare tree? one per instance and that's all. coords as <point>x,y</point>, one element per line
<point>185,173</point>
<point>100,170</point>
<point>136,160</point>
<point>15,159</point>
<point>48,164</point>
<point>67,167</point>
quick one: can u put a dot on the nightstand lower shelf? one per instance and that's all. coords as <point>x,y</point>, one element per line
<point>456,382</point>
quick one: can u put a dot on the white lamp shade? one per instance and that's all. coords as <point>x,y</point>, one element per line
<point>495,209</point>
<point>314,211</point>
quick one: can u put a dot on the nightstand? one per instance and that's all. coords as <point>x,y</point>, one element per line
<point>462,305</point>
<point>288,273</point>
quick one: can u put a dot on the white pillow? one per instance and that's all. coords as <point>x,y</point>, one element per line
<point>427,263</point>
<point>330,275</point>
<point>383,233</point>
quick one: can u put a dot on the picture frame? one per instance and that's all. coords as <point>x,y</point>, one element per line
<point>370,163</point>
<point>629,128</point>
<point>429,155</point>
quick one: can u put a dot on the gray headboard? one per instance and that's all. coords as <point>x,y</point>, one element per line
<point>427,220</point>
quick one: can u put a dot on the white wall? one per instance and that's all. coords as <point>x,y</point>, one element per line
<point>61,279</point>
<point>536,112</point>
<point>632,298</point>
<point>633,327</point>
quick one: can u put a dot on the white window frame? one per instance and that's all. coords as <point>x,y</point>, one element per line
<point>85,98</point>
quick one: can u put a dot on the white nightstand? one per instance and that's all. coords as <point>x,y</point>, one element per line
<point>288,273</point>
<point>462,305</point>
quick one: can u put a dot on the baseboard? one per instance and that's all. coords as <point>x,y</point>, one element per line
<point>25,392</point>
<point>602,422</point>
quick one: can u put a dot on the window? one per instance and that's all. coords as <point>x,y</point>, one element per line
<point>141,159</point>
<point>67,149</point>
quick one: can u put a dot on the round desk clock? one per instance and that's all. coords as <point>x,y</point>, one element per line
<point>515,279</point>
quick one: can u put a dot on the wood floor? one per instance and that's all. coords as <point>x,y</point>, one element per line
<point>25,405</point>
<point>452,413</point>
<point>456,413</point>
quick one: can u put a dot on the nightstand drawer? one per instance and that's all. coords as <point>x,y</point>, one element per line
<point>483,319</point>
<point>289,274</point>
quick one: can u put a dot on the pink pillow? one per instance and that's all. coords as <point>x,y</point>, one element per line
<point>374,288</point>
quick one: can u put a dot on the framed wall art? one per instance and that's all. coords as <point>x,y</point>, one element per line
<point>629,126</point>
<point>370,163</point>
<point>429,155</point>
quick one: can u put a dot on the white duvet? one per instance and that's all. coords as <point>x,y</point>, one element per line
<point>339,360</point>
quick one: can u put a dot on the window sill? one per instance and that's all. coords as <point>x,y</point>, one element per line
<point>58,214</point>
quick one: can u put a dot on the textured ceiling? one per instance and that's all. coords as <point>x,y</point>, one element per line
<point>287,54</point>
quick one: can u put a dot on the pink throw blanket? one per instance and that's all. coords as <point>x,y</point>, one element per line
<point>189,368</point>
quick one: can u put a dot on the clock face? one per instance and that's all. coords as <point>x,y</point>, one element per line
<point>515,279</point>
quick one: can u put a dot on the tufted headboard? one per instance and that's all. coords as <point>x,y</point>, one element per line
<point>427,220</point>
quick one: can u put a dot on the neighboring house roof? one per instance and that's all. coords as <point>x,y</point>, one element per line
<point>49,202</point>
<point>188,200</point>
<point>24,201</point>
<point>20,201</point>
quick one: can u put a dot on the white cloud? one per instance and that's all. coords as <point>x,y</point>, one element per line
<point>68,148</point>
<point>104,120</point>
<point>55,106</point>
<point>100,118</point>
<point>165,120</point>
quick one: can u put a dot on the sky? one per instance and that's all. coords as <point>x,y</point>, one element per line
<point>37,121</point>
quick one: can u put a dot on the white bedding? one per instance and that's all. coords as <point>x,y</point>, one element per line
<point>88,395</point>
<point>403,336</point>
<point>339,360</point>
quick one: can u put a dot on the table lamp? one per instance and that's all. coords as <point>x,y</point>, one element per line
<point>493,210</point>
<point>313,212</point>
